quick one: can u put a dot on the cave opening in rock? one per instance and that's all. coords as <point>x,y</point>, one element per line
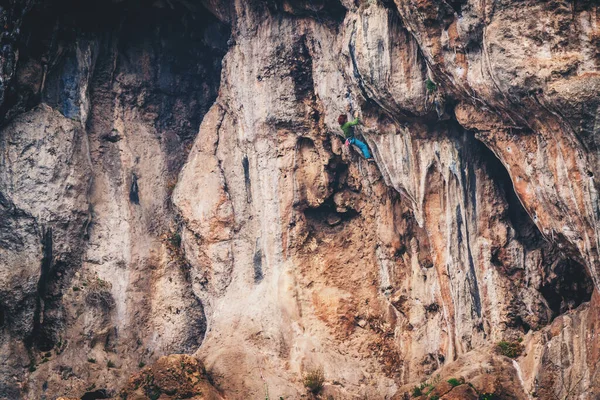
<point>566,283</point>
<point>326,215</point>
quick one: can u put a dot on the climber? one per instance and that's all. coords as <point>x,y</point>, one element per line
<point>348,128</point>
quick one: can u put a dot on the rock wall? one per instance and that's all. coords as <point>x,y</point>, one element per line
<point>104,105</point>
<point>153,208</point>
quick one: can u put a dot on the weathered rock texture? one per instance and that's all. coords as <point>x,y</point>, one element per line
<point>149,207</point>
<point>176,376</point>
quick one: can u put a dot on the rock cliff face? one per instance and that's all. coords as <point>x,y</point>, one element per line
<point>172,181</point>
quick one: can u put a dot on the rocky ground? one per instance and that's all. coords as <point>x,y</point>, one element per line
<point>172,182</point>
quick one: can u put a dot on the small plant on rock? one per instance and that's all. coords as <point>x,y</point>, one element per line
<point>314,379</point>
<point>509,349</point>
<point>175,239</point>
<point>430,85</point>
<point>423,388</point>
<point>454,382</point>
<point>417,391</point>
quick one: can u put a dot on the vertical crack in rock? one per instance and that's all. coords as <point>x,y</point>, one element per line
<point>38,335</point>
<point>257,262</point>
<point>246,167</point>
<point>133,190</point>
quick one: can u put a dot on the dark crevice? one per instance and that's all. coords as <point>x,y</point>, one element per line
<point>96,395</point>
<point>257,262</point>
<point>326,214</point>
<point>38,335</point>
<point>246,167</point>
<point>134,190</point>
<point>566,286</point>
<point>456,5</point>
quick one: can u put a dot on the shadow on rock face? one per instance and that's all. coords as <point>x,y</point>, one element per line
<point>96,395</point>
<point>566,286</point>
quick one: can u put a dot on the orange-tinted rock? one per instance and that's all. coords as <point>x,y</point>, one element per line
<point>176,376</point>
<point>462,392</point>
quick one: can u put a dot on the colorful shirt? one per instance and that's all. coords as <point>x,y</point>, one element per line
<point>348,128</point>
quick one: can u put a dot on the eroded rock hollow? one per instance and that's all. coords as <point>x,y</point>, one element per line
<point>173,180</point>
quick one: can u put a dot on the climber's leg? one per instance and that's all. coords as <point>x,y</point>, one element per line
<point>363,147</point>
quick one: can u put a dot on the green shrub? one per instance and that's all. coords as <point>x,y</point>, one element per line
<point>142,364</point>
<point>488,396</point>
<point>110,364</point>
<point>175,239</point>
<point>314,379</point>
<point>417,391</point>
<point>92,360</point>
<point>509,349</point>
<point>421,389</point>
<point>454,382</point>
<point>430,85</point>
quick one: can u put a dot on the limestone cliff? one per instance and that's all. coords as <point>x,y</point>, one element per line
<point>172,181</point>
